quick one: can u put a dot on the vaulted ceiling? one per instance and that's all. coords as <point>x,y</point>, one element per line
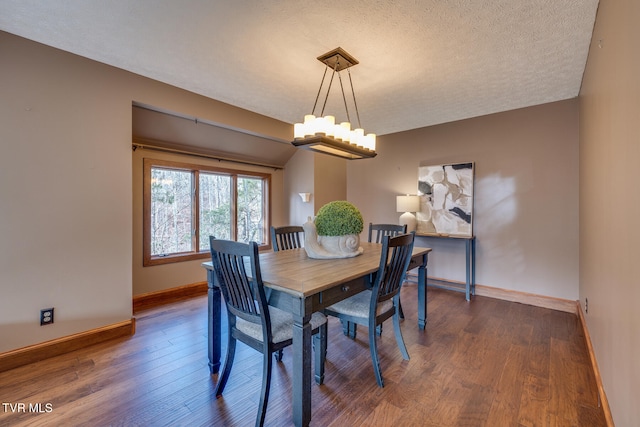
<point>422,62</point>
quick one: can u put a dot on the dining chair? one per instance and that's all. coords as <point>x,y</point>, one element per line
<point>373,306</point>
<point>376,233</point>
<point>251,320</point>
<point>382,230</point>
<point>287,237</point>
<point>385,230</point>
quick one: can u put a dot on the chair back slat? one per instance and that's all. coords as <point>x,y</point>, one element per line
<point>378,231</point>
<point>394,261</point>
<point>287,237</point>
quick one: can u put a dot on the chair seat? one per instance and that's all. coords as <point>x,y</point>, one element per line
<point>281,325</point>
<point>358,305</point>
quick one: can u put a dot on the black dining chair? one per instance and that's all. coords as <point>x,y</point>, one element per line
<point>373,306</point>
<point>377,232</point>
<point>282,239</point>
<point>251,320</point>
<point>287,237</point>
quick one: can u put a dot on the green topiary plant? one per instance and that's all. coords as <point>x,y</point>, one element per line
<point>338,218</point>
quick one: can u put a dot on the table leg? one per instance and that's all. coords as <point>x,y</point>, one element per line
<point>301,370</point>
<point>213,323</point>
<point>468,269</point>
<point>473,266</point>
<point>422,293</point>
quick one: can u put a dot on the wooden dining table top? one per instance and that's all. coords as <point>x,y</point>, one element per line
<point>293,272</point>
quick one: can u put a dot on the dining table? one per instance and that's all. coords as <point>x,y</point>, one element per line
<point>301,286</point>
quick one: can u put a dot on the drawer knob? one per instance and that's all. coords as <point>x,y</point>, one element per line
<point>345,288</point>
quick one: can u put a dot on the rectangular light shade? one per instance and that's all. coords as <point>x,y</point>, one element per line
<point>407,203</point>
<point>324,144</point>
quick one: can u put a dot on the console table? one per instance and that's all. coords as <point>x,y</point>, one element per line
<point>470,258</point>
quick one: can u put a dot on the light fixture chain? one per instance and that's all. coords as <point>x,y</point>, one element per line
<point>354,99</point>
<point>335,67</point>
<point>313,111</point>
<point>344,98</point>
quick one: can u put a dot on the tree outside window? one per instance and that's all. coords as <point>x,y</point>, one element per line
<point>215,208</point>
<point>250,209</point>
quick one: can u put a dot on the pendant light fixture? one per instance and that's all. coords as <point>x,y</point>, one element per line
<point>322,134</point>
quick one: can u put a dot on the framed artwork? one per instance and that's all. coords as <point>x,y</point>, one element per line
<point>446,199</point>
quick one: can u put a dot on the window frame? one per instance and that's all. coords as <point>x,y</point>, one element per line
<point>196,169</point>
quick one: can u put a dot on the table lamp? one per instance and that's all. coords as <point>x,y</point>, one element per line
<point>408,204</point>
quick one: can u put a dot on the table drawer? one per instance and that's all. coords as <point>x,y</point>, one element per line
<point>343,291</point>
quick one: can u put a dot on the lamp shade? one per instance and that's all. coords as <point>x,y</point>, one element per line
<point>407,203</point>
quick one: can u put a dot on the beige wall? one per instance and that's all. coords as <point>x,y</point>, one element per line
<point>299,179</point>
<point>610,203</point>
<point>325,177</point>
<point>66,186</point>
<point>526,194</point>
<point>330,179</point>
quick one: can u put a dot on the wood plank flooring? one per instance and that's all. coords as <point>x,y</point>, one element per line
<point>484,363</point>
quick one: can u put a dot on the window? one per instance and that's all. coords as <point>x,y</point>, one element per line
<point>184,204</point>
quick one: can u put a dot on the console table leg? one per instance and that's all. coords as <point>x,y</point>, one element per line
<point>422,294</point>
<point>473,266</point>
<point>468,269</point>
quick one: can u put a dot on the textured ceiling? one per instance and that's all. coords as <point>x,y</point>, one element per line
<point>422,62</point>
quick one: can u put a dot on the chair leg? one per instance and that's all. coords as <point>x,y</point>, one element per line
<point>278,355</point>
<point>349,328</point>
<point>398,334</point>
<point>266,385</point>
<point>400,309</point>
<point>320,347</point>
<point>226,370</point>
<point>373,348</point>
<point>353,329</point>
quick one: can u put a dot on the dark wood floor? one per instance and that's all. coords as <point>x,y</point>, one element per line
<point>484,363</point>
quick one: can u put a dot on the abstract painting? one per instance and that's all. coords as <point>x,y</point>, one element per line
<point>446,199</point>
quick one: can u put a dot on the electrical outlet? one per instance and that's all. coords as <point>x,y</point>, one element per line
<point>46,316</point>
<point>586,305</point>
